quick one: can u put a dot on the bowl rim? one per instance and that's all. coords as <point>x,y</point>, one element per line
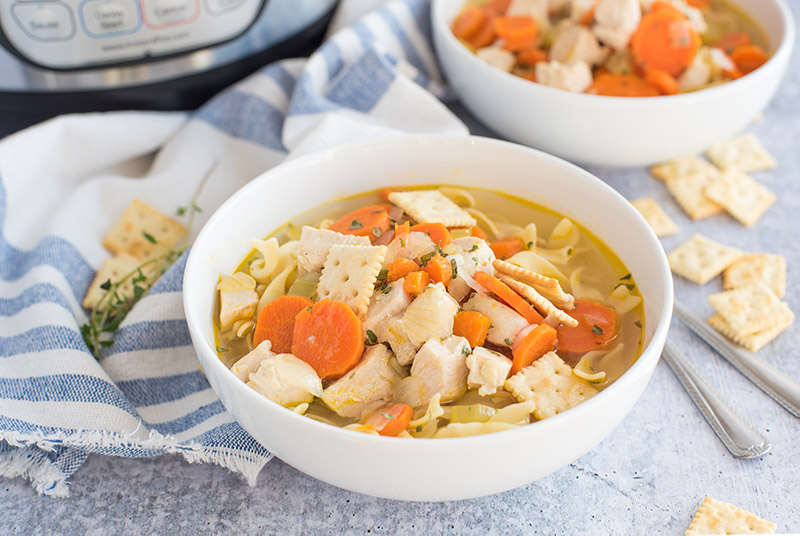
<point>782,51</point>
<point>195,318</point>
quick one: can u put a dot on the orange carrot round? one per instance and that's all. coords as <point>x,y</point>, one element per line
<point>415,283</point>
<point>477,232</point>
<point>485,35</point>
<point>371,221</point>
<point>748,58</point>
<point>507,247</point>
<point>436,231</point>
<point>534,344</point>
<point>439,269</point>
<point>391,420</point>
<point>664,82</point>
<point>597,326</point>
<point>664,40</point>
<point>518,31</point>
<point>468,22</point>
<point>497,7</point>
<point>400,268</point>
<point>732,41</point>
<point>473,326</point>
<point>276,322</point>
<point>505,293</point>
<point>329,337</point>
<point>531,56</point>
<point>622,85</point>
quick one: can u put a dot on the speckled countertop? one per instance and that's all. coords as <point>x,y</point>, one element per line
<point>647,477</point>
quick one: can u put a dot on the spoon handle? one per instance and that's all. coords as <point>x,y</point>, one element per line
<point>776,383</point>
<point>736,433</point>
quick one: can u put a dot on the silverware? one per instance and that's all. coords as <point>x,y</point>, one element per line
<point>776,383</point>
<point>735,432</point>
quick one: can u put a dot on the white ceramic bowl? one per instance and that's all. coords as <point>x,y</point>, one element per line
<point>613,131</point>
<point>429,469</point>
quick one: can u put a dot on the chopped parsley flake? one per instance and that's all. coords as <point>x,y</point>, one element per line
<point>150,238</point>
<point>377,232</point>
<point>455,268</point>
<point>474,248</point>
<point>569,251</point>
<point>530,244</point>
<point>387,290</point>
<point>221,350</point>
<point>466,350</point>
<point>383,274</point>
<point>402,242</point>
<point>355,224</point>
<point>371,336</point>
<point>475,260</point>
<point>597,330</point>
<point>623,278</point>
<point>638,324</point>
<point>509,342</point>
<point>387,415</point>
<point>106,285</point>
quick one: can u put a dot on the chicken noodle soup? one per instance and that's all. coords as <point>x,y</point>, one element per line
<point>625,48</point>
<point>430,312</point>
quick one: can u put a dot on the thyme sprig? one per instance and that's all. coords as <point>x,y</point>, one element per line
<point>112,308</point>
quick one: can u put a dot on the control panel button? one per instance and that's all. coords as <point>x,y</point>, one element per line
<point>109,17</point>
<point>45,21</point>
<point>217,7</point>
<point>168,12</point>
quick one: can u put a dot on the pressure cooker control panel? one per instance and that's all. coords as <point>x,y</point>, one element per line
<point>69,34</point>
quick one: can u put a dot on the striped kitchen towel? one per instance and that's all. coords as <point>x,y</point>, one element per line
<point>64,183</point>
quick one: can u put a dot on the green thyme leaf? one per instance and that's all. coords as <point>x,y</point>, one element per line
<point>474,248</point>
<point>627,276</point>
<point>181,211</point>
<point>150,238</point>
<point>509,342</point>
<point>387,415</point>
<point>455,268</point>
<point>372,337</point>
<point>638,324</point>
<point>383,274</point>
<point>377,232</point>
<point>106,285</point>
<point>221,350</point>
<point>597,330</point>
<point>355,224</point>
<point>387,290</point>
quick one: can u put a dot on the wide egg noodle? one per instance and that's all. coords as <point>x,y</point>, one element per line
<point>590,368</point>
<point>277,287</point>
<point>519,413</point>
<point>459,196</point>
<point>580,290</point>
<point>622,300</point>
<point>528,235</point>
<point>564,235</point>
<point>536,263</point>
<point>262,268</point>
<point>427,425</point>
<point>466,429</point>
<point>485,221</point>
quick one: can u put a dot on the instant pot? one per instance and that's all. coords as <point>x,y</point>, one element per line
<point>60,56</point>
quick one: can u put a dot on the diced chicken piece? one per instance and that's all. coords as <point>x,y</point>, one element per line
<point>506,323</point>
<point>413,246</point>
<point>487,370</point>
<point>575,77</point>
<point>315,244</point>
<point>497,57</point>
<point>699,73</point>
<point>393,332</point>
<point>472,255</point>
<point>575,44</point>
<point>249,363</point>
<point>383,306</point>
<point>236,305</point>
<point>287,380</point>
<point>616,20</point>
<point>369,386</point>
<point>442,367</point>
<point>430,316</point>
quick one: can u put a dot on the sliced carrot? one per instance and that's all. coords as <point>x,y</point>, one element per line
<point>597,326</point>
<point>748,58</point>
<point>276,322</point>
<point>531,56</point>
<point>535,344</point>
<point>664,40</point>
<point>516,28</point>
<point>371,221</point>
<point>507,247</point>
<point>733,73</point>
<point>699,4</point>
<point>402,230</point>
<point>329,337</point>
<point>732,41</point>
<point>477,232</point>
<point>391,420</point>
<point>468,22</point>
<point>622,85</point>
<point>439,269</point>
<point>473,326</point>
<point>437,231</point>
<point>497,7</point>
<point>485,36</point>
<point>400,268</point>
<point>415,283</point>
<point>504,292</point>
<point>664,82</point>
<point>588,17</point>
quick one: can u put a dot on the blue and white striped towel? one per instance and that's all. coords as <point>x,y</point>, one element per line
<point>64,183</point>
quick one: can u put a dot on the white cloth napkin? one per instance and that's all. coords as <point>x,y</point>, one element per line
<point>65,182</point>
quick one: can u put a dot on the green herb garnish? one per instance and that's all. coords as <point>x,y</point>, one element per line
<point>355,224</point>
<point>466,350</point>
<point>387,289</point>
<point>150,238</point>
<point>509,342</point>
<point>383,274</point>
<point>455,268</point>
<point>371,336</point>
<point>474,248</point>
<point>597,330</point>
<point>376,231</point>
<point>387,415</point>
<point>623,278</point>
<point>220,349</point>
<point>638,324</point>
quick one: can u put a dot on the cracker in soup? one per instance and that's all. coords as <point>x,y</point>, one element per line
<point>349,275</point>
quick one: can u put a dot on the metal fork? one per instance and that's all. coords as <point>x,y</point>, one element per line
<point>735,432</point>
<point>776,383</point>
